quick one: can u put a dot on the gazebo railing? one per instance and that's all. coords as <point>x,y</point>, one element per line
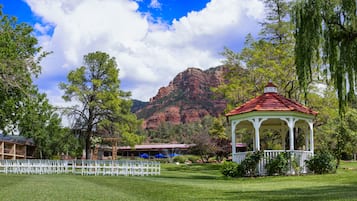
<point>297,160</point>
<point>240,156</point>
<point>300,157</point>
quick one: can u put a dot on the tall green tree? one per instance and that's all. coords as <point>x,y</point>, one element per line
<point>23,109</point>
<point>276,28</point>
<point>41,122</point>
<point>104,109</point>
<point>269,58</point>
<point>19,62</point>
<point>327,31</point>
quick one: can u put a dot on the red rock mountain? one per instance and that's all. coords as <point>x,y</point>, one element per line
<point>187,98</point>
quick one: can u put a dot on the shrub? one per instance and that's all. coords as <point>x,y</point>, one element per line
<point>321,163</point>
<point>278,165</point>
<point>180,159</point>
<point>248,167</point>
<point>229,169</point>
<point>56,157</point>
<point>193,158</point>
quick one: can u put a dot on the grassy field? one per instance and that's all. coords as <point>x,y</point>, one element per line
<point>182,182</point>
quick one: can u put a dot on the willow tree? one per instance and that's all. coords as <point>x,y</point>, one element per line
<point>103,109</point>
<point>327,31</point>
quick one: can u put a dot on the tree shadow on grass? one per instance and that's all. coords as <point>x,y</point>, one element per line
<point>193,167</point>
<point>202,177</point>
<point>323,193</point>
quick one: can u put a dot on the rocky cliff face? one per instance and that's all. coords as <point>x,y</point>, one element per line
<point>187,98</point>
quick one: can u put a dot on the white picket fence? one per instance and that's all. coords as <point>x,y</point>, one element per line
<point>81,167</point>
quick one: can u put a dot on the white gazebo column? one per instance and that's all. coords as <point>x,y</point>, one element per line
<point>234,149</point>
<point>257,122</point>
<point>311,125</point>
<point>291,125</point>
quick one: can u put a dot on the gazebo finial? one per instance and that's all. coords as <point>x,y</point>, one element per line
<point>270,88</point>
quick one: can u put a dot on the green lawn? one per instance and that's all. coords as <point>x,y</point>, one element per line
<point>182,182</point>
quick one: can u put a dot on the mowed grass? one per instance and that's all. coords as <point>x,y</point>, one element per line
<point>182,182</point>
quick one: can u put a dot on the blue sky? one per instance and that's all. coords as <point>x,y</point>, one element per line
<point>166,10</point>
<point>169,10</point>
<point>152,40</point>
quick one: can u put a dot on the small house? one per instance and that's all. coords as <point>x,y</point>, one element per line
<point>16,147</point>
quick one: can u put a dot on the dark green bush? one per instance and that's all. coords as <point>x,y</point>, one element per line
<point>248,167</point>
<point>279,165</point>
<point>321,163</point>
<point>229,169</point>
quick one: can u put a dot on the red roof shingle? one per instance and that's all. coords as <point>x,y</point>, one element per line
<point>271,101</point>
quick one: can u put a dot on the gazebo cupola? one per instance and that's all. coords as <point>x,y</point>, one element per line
<point>270,88</point>
<point>273,111</point>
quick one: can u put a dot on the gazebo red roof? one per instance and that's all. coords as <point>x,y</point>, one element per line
<point>271,101</point>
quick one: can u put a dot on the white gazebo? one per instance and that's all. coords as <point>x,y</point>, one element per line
<point>273,112</point>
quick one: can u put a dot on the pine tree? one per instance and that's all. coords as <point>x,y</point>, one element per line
<point>104,109</point>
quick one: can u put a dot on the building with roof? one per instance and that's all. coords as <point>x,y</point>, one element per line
<point>16,147</point>
<point>274,112</point>
<point>149,150</point>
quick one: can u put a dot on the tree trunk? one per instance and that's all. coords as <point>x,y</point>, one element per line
<point>88,147</point>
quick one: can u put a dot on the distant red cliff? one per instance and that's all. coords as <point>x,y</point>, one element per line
<point>187,98</point>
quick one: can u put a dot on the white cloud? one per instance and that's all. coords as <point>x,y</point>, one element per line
<point>155,4</point>
<point>42,29</point>
<point>149,54</point>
